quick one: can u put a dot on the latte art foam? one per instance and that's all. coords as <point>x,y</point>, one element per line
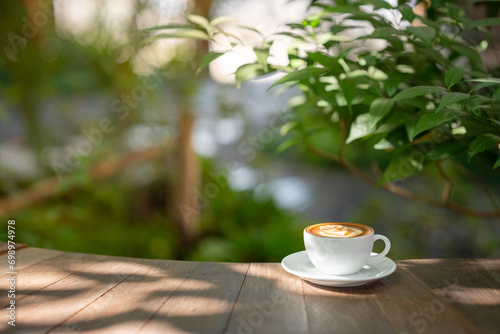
<point>337,230</point>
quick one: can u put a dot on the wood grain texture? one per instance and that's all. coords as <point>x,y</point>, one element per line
<point>342,310</point>
<point>59,292</point>
<point>492,266</point>
<point>4,247</point>
<point>202,303</point>
<point>31,280</point>
<point>410,306</point>
<point>466,285</point>
<point>270,301</point>
<point>50,306</point>
<point>27,257</point>
<point>129,305</point>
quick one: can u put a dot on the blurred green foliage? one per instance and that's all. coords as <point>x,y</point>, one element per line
<point>408,92</point>
<point>116,216</point>
<point>240,226</point>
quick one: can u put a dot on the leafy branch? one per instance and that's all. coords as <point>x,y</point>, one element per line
<point>421,98</point>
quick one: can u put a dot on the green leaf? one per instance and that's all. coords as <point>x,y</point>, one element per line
<point>323,59</point>
<point>416,91</point>
<point>453,76</point>
<point>287,127</point>
<point>377,4</point>
<point>496,94</point>
<point>475,128</point>
<point>481,86</point>
<point>341,98</point>
<point>304,73</point>
<point>497,163</point>
<point>297,37</point>
<point>487,80</point>
<point>476,102</point>
<point>450,98</point>
<point>186,33</point>
<point>361,127</point>
<point>482,143</point>
<point>335,29</point>
<point>207,59</point>
<point>407,12</point>
<point>428,22</point>
<point>383,32</point>
<point>167,26</point>
<point>341,8</point>
<point>424,33</point>
<point>199,20</point>
<point>221,19</point>
<point>349,91</point>
<point>247,72</point>
<point>262,55</point>
<point>379,108</point>
<point>391,84</point>
<point>487,22</point>
<point>383,144</point>
<point>467,51</point>
<point>410,162</point>
<point>329,37</point>
<point>446,150</point>
<point>453,11</point>
<point>295,25</point>
<point>376,74</point>
<point>390,34</point>
<point>286,144</point>
<point>227,34</point>
<point>432,119</point>
<point>435,55</point>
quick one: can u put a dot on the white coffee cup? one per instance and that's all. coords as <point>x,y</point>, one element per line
<point>341,248</point>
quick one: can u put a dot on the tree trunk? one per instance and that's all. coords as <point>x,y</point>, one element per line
<point>188,198</point>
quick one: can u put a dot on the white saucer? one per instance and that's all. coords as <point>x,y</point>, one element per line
<point>299,265</point>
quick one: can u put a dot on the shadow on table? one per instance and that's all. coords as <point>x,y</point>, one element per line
<point>469,286</point>
<point>130,295</point>
<point>157,296</point>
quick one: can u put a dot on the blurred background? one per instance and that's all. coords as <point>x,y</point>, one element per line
<point>112,146</point>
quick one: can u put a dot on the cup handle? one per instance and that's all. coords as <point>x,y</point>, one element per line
<point>387,246</point>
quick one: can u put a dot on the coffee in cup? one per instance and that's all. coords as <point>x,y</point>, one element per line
<point>341,248</point>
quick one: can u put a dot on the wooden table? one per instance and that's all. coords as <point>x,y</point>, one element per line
<point>61,292</point>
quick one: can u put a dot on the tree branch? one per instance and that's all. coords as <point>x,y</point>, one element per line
<point>402,191</point>
<point>49,187</point>
<point>448,184</point>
